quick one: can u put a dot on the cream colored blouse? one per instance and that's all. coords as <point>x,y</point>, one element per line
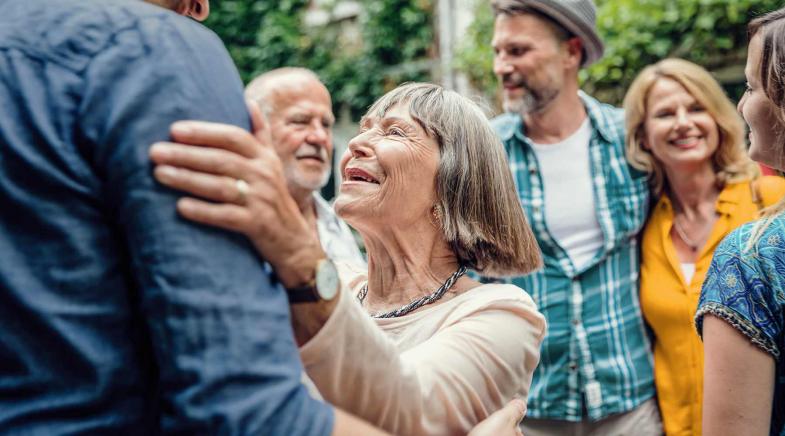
<point>438,371</point>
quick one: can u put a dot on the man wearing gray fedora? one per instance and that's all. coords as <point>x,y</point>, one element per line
<point>586,206</point>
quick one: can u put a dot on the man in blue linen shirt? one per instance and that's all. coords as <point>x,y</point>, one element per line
<point>118,316</point>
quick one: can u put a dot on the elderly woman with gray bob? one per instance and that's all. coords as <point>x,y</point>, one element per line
<point>411,344</point>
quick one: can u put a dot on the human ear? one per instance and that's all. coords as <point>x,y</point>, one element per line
<point>575,50</point>
<point>196,9</point>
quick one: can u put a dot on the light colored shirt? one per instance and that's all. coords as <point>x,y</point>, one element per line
<point>596,351</point>
<point>335,236</point>
<point>669,299</point>
<point>437,371</point>
<point>569,199</point>
<point>688,271</point>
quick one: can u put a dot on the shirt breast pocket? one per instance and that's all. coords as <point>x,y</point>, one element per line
<point>628,203</point>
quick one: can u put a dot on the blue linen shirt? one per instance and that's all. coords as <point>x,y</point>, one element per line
<point>746,288</point>
<point>596,355</point>
<point>119,317</point>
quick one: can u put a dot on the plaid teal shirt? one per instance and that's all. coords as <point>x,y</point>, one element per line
<point>596,354</point>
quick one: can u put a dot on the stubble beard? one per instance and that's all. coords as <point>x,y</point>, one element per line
<point>532,101</point>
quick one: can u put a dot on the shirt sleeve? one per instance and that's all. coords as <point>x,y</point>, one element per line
<point>483,355</point>
<point>219,328</point>
<point>743,287</point>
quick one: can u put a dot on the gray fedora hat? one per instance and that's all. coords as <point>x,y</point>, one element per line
<point>579,17</point>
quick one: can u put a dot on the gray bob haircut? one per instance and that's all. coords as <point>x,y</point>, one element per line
<point>481,216</point>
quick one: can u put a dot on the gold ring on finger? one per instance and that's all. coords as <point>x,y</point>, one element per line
<point>242,190</point>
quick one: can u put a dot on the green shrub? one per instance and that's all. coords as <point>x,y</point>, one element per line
<point>396,39</point>
<point>637,33</point>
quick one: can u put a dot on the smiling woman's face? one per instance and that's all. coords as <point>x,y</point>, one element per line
<point>678,129</point>
<point>760,113</point>
<point>389,172</point>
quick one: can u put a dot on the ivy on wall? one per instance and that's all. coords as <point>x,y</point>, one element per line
<point>637,33</point>
<point>393,45</point>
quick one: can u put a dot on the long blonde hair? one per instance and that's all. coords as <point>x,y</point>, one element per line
<point>730,161</point>
<point>771,28</point>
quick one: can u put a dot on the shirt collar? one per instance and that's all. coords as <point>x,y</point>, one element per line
<point>324,212</point>
<point>510,124</point>
<point>730,196</point>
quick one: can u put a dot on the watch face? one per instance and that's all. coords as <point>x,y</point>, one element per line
<point>327,280</point>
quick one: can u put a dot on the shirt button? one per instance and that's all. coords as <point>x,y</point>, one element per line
<point>573,366</point>
<point>536,209</point>
<point>576,321</point>
<point>532,170</point>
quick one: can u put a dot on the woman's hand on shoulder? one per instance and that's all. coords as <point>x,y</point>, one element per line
<point>242,179</point>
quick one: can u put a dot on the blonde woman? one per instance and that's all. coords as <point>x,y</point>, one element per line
<point>742,306</point>
<point>411,344</point>
<point>683,131</point>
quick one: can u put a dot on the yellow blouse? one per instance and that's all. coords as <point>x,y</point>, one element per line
<point>669,303</point>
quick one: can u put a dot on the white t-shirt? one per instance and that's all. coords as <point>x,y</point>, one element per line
<point>570,213</point>
<point>688,269</point>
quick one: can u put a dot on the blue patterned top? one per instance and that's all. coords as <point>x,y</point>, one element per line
<point>747,289</point>
<point>596,359</point>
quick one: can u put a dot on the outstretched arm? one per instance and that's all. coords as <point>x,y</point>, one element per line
<point>491,354</point>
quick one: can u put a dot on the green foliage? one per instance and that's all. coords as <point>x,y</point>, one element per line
<point>475,56</point>
<point>395,38</point>
<point>637,33</point>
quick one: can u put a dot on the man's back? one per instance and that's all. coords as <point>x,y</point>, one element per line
<point>117,315</point>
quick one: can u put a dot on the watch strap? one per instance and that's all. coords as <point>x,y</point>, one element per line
<point>303,294</point>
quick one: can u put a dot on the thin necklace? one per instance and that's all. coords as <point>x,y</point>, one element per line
<point>415,304</point>
<point>690,243</point>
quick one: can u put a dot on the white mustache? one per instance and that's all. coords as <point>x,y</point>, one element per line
<point>308,150</point>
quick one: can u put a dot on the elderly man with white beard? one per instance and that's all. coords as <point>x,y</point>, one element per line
<point>298,109</point>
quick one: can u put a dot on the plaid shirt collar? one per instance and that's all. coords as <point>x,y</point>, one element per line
<point>511,124</point>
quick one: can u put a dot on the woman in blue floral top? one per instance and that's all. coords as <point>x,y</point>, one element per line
<point>741,313</point>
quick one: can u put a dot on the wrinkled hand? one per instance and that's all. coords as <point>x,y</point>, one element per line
<point>207,160</point>
<point>503,422</point>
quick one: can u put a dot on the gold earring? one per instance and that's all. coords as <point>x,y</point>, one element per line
<point>437,214</point>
